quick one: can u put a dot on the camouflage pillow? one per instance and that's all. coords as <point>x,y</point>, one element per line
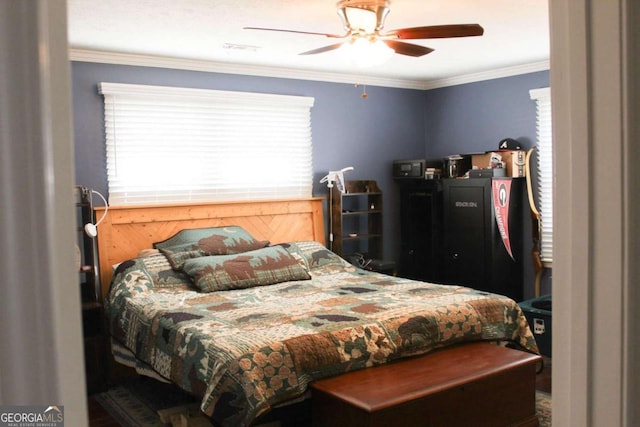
<point>261,267</point>
<point>199,242</point>
<point>158,267</point>
<point>314,254</point>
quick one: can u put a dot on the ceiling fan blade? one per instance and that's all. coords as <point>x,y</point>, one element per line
<point>337,36</point>
<point>322,49</point>
<point>407,48</point>
<point>436,32</point>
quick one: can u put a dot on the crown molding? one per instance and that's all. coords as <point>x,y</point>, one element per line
<point>487,75</point>
<point>104,57</point>
<point>82,55</point>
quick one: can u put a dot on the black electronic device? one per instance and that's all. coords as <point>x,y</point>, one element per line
<point>408,168</point>
<point>487,173</point>
<point>418,169</point>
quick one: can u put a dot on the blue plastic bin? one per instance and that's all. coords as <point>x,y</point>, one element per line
<point>538,314</point>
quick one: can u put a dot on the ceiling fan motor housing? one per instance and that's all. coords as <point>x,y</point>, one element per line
<point>379,7</point>
<point>364,4</point>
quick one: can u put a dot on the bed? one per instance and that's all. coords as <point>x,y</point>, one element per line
<point>248,320</point>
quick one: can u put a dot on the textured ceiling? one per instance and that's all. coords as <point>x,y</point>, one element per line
<point>516,34</point>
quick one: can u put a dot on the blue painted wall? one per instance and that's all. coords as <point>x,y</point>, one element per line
<point>347,130</point>
<point>474,117</point>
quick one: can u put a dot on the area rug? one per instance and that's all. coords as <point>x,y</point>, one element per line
<point>543,408</point>
<point>136,404</point>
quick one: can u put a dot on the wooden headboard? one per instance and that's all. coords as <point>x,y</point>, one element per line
<point>127,230</point>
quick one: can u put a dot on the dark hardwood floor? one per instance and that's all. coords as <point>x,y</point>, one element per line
<point>99,417</point>
<point>543,379</point>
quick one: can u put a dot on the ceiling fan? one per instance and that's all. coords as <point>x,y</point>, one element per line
<point>363,21</point>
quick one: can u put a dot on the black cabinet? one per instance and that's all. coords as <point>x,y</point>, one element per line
<point>475,252</point>
<point>93,324</point>
<point>421,229</point>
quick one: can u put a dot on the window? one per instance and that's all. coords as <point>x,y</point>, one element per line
<point>544,171</point>
<point>167,144</point>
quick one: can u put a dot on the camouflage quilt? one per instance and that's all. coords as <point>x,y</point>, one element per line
<point>245,350</point>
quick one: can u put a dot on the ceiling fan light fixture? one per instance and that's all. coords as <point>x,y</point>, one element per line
<point>366,52</point>
<point>361,20</point>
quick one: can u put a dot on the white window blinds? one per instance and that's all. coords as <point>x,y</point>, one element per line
<point>167,144</point>
<point>544,170</point>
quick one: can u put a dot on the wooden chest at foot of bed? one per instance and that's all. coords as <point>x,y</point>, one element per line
<point>477,384</point>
